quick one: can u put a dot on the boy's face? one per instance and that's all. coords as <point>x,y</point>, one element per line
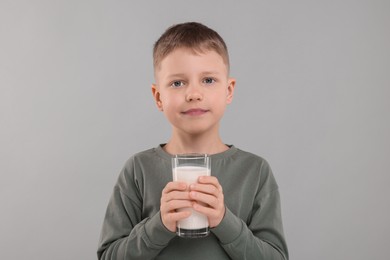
<point>193,89</point>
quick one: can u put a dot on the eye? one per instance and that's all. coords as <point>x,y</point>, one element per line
<point>209,80</point>
<point>177,84</point>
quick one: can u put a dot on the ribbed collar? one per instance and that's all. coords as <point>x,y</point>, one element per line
<point>229,152</point>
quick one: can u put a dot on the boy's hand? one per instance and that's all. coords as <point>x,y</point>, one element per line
<point>209,200</point>
<point>174,196</point>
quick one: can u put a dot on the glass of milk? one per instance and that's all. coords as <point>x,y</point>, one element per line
<point>187,168</point>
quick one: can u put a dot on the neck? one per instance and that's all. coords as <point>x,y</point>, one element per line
<point>182,143</point>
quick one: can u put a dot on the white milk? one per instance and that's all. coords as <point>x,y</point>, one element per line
<point>190,174</point>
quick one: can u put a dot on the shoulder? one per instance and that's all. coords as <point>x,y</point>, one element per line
<point>148,162</point>
<point>250,162</point>
<point>148,156</point>
<point>251,158</point>
<point>134,167</point>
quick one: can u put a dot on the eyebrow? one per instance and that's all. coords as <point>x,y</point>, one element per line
<point>210,73</point>
<point>176,75</point>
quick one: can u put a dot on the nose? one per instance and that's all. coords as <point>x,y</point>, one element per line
<point>194,93</point>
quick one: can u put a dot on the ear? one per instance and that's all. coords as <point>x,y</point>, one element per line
<point>157,97</point>
<point>230,90</point>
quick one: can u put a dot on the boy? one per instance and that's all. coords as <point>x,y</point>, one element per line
<point>240,199</point>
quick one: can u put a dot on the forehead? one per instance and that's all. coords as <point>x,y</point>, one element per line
<point>190,59</point>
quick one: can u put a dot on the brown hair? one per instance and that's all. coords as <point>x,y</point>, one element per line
<point>192,35</point>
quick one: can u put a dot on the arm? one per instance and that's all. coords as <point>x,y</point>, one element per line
<point>262,238</point>
<point>125,235</point>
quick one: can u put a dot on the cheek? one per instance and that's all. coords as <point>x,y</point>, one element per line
<point>172,101</point>
<point>170,106</point>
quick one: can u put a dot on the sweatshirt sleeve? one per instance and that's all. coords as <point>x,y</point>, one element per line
<point>262,237</point>
<point>125,235</point>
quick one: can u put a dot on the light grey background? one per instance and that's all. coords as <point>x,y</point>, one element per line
<point>312,97</point>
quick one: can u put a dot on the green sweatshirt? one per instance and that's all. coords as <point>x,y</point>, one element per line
<point>251,228</point>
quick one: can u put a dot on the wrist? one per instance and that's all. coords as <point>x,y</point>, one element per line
<point>157,232</point>
<point>229,228</point>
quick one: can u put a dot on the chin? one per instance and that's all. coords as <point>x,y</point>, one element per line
<point>199,130</point>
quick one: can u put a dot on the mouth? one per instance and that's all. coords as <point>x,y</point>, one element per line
<point>195,112</point>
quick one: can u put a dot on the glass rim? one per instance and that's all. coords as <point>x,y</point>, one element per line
<point>191,155</point>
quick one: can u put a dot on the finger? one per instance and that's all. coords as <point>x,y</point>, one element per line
<point>210,200</point>
<point>204,209</point>
<point>170,219</point>
<point>175,195</point>
<point>206,188</point>
<point>211,213</point>
<point>178,215</point>
<point>215,216</point>
<point>208,179</point>
<point>209,184</point>
<point>212,180</point>
<point>175,205</point>
<point>174,186</point>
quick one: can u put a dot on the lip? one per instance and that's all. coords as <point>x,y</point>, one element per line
<point>195,112</point>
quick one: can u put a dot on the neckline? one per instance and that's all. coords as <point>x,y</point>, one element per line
<point>232,149</point>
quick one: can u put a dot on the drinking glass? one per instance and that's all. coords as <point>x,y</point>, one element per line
<point>187,168</point>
